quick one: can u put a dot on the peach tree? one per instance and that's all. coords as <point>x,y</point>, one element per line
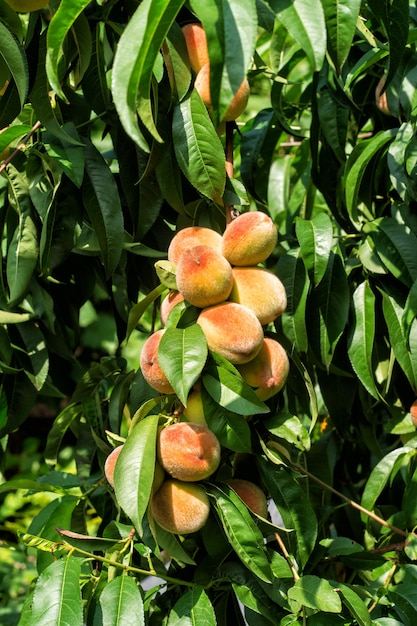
<point>111,143</point>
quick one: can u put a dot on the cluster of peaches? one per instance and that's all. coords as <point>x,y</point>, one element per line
<point>235,297</point>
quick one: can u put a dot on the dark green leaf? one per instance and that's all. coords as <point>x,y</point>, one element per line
<point>14,56</point>
<point>315,237</point>
<point>405,351</point>
<point>194,607</point>
<point>120,604</point>
<point>341,17</point>
<point>293,275</point>
<point>231,392</point>
<point>316,593</point>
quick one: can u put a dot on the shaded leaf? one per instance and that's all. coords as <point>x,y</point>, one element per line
<point>341,17</point>
<point>194,607</point>
<point>316,593</point>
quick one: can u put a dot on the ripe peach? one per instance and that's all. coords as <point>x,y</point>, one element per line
<point>171,299</point>
<point>413,411</point>
<point>204,276</point>
<point>188,451</point>
<point>249,239</point>
<point>232,330</point>
<point>238,103</point>
<point>110,463</point>
<point>251,494</point>
<point>194,411</point>
<point>149,364</point>
<point>196,42</point>
<point>268,371</point>
<point>259,290</point>
<point>180,507</point>
<point>193,236</point>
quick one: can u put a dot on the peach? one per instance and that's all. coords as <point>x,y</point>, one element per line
<point>204,276</point>
<point>188,451</point>
<point>110,463</point>
<point>238,103</point>
<point>196,42</point>
<point>251,494</point>
<point>268,371</point>
<point>172,298</point>
<point>193,236</point>
<point>413,411</point>
<point>259,290</point>
<point>249,239</point>
<point>194,411</point>
<point>232,330</point>
<point>180,507</point>
<point>149,364</point>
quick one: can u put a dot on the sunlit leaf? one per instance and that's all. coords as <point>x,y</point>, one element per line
<point>120,604</point>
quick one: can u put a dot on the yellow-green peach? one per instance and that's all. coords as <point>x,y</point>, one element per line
<point>188,451</point>
<point>149,364</point>
<point>193,236</point>
<point>180,507</point>
<point>232,330</point>
<point>260,290</point>
<point>251,494</point>
<point>196,42</point>
<point>268,371</point>
<point>204,277</point>
<point>249,239</point>
<point>194,411</point>
<point>171,299</point>
<point>110,464</point>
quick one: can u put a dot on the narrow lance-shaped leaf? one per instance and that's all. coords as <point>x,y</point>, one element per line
<point>361,341</point>
<point>315,237</point>
<point>136,54</point>
<point>14,56</point>
<point>198,148</point>
<point>292,272</point>
<point>134,470</point>
<point>182,355</point>
<point>341,17</point>
<point>316,593</point>
<point>37,352</point>
<point>304,20</point>
<point>57,596</point>
<point>103,206</point>
<point>62,20</point>
<point>120,604</point>
<point>194,607</point>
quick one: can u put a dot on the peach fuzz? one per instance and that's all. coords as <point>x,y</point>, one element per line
<point>149,364</point>
<point>191,236</point>
<point>188,451</point>
<point>259,290</point>
<point>413,411</point>
<point>204,277</point>
<point>110,464</point>
<point>171,299</point>
<point>249,239</point>
<point>232,330</point>
<point>250,494</point>
<point>238,103</point>
<point>268,371</point>
<point>180,507</point>
<point>196,42</point>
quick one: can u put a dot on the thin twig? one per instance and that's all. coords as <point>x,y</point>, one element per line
<point>20,146</point>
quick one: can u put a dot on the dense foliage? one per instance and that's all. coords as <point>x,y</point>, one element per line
<point>107,151</point>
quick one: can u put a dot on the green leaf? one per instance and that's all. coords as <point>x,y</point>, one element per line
<point>231,392</point>
<point>405,351</point>
<point>57,596</point>
<point>13,54</point>
<point>241,530</point>
<point>120,604</point>
<point>11,133</point>
<point>136,54</point>
<point>134,470</point>
<point>7,317</point>
<point>292,272</point>
<point>59,26</point>
<point>140,307</point>
<point>37,352</point>
<point>395,244</point>
<point>316,593</point>
<point>231,29</point>
<point>356,606</point>
<point>315,237</point>
<point>70,157</point>
<point>341,17</point>
<point>294,507</point>
<point>231,429</point>
<point>57,432</point>
<point>334,119</point>
<point>357,165</point>
<point>198,148</point>
<point>194,607</point>
<point>329,309</point>
<point>102,201</point>
<point>404,599</point>
<point>305,22</point>
<point>362,335</point>
<point>182,354</point>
